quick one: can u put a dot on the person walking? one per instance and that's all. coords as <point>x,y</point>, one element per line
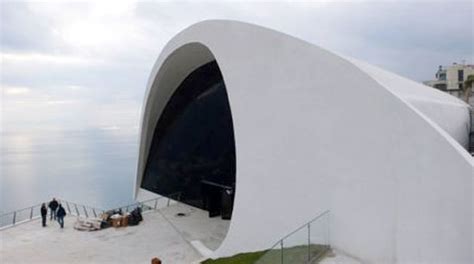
<point>53,205</point>
<point>60,215</point>
<point>44,213</point>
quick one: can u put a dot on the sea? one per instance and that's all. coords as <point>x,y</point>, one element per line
<point>94,167</point>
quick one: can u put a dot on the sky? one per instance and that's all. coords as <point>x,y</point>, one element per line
<point>85,65</point>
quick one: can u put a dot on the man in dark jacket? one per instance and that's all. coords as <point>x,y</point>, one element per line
<point>44,212</point>
<point>53,205</point>
<point>60,215</point>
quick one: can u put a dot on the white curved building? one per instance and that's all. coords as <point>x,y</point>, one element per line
<point>296,130</point>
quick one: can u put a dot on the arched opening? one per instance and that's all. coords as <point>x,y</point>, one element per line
<point>192,150</point>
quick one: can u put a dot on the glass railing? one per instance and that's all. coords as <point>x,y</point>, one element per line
<point>307,244</point>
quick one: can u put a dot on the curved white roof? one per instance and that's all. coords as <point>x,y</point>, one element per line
<point>449,112</point>
<point>383,155</point>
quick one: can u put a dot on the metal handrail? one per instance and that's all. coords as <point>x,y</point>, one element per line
<point>86,210</point>
<point>304,225</point>
<point>34,213</point>
<point>18,210</point>
<point>175,197</point>
<point>307,225</point>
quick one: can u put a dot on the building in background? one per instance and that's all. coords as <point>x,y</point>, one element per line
<point>451,78</point>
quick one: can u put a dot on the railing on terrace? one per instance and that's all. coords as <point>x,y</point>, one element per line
<point>151,204</point>
<point>24,215</point>
<point>307,244</point>
<point>34,212</point>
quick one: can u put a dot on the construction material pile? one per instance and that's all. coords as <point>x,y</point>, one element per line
<point>114,218</point>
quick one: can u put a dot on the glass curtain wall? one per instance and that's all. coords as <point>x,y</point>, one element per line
<point>193,148</point>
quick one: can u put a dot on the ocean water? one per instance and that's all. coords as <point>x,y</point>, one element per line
<point>94,167</point>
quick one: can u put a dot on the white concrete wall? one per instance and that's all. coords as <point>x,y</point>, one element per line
<point>398,186</point>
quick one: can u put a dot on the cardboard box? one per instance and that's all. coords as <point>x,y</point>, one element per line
<point>124,222</point>
<point>116,222</point>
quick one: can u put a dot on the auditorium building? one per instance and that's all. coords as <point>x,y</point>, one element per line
<point>266,131</point>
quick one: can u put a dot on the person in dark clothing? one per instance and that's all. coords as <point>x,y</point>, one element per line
<point>44,213</point>
<point>60,215</point>
<point>53,205</point>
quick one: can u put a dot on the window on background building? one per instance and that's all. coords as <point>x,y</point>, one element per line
<point>442,76</point>
<point>460,75</point>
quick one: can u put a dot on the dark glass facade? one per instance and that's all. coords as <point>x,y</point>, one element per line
<point>193,149</point>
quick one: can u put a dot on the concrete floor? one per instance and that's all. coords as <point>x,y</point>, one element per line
<point>196,225</point>
<point>338,257</point>
<point>161,234</point>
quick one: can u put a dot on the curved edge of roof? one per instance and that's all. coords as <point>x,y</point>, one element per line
<point>395,84</point>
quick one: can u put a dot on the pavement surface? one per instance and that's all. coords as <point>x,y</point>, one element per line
<point>161,234</point>
<point>175,239</point>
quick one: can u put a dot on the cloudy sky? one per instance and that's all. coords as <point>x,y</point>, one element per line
<point>85,65</point>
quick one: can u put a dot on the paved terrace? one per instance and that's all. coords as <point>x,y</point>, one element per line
<point>156,236</point>
<point>161,234</point>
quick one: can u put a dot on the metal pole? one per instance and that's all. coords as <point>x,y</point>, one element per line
<point>168,202</point>
<point>85,211</point>
<point>68,208</point>
<point>31,213</point>
<point>309,242</point>
<point>77,211</point>
<point>93,210</point>
<point>156,201</point>
<point>328,228</point>
<point>281,245</point>
<point>14,217</point>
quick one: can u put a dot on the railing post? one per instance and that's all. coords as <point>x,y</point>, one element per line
<point>14,217</point>
<point>95,214</point>
<point>328,230</point>
<point>169,199</point>
<point>31,213</point>
<point>281,246</point>
<point>68,208</point>
<point>156,202</point>
<point>309,242</point>
<point>85,211</point>
<point>77,211</point>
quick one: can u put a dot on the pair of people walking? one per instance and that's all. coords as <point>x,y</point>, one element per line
<point>57,212</point>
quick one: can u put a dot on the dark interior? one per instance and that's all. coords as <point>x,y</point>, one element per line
<point>192,154</point>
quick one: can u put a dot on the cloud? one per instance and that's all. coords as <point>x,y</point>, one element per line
<point>15,90</point>
<point>94,58</point>
<point>43,59</point>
